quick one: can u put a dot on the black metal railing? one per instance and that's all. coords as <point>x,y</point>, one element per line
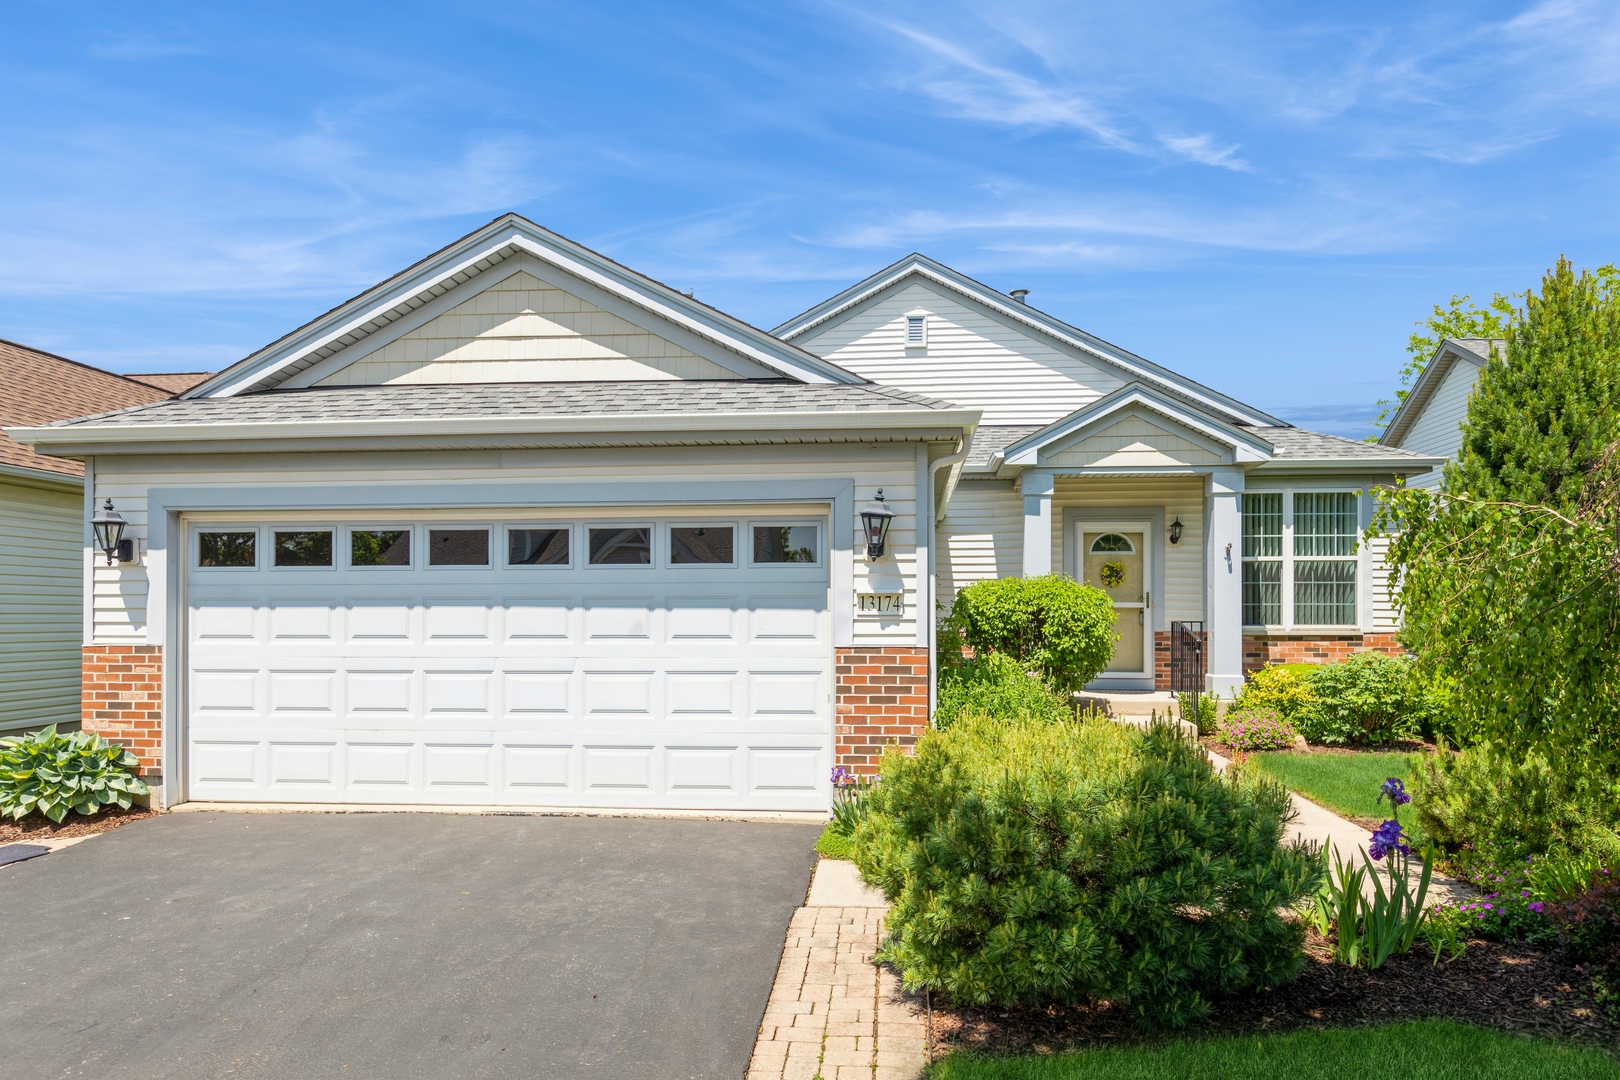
<point>1187,663</point>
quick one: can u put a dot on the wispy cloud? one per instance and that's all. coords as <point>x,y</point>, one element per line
<point>141,47</point>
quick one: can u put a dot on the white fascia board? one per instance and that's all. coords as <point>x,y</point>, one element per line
<point>258,371</point>
<point>1022,314</point>
<point>1245,448</point>
<point>642,424</point>
<point>1404,465</point>
<point>44,478</point>
<point>1446,356</point>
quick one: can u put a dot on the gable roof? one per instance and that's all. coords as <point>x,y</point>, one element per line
<point>1242,443</point>
<point>1131,367</point>
<point>513,236</point>
<point>1449,353</point>
<point>37,387</point>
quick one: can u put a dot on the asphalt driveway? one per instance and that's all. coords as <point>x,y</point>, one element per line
<point>397,945</point>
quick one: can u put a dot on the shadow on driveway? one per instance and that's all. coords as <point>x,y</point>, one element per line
<point>398,945</point>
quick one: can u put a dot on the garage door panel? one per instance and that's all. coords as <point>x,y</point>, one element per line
<point>636,685</point>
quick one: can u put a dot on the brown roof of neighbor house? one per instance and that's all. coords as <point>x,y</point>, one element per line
<point>37,388</point>
<point>175,382</point>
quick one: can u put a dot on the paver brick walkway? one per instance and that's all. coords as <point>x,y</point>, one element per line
<point>834,1014</point>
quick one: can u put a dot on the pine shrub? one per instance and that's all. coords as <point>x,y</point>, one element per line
<point>1032,862</point>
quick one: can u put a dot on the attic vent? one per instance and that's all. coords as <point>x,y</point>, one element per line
<point>916,331</point>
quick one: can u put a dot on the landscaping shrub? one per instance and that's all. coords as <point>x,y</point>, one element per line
<point>1032,862</point>
<point>1256,729</point>
<point>996,684</point>
<point>1279,687</point>
<point>1490,811</point>
<point>1204,713</point>
<point>1053,624</point>
<point>55,774</point>
<point>1368,699</point>
<point>1588,925</point>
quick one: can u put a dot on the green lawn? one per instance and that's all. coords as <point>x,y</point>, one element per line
<point>1432,1050</point>
<point>1344,783</point>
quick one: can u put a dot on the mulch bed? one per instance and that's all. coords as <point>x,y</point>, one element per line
<point>1508,987</point>
<point>37,826</point>
<point>1210,742</point>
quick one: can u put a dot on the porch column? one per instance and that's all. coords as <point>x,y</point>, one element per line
<point>1223,576</point>
<point>1036,485</point>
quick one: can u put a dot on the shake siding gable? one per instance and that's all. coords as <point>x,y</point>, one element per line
<point>971,358</point>
<point>1438,429</point>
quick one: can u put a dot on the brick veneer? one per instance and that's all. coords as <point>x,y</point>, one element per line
<point>880,697</point>
<point>1161,660</point>
<point>1258,651</point>
<point>122,699</point>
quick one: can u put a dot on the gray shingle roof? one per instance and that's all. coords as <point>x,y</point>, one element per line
<point>1481,347</point>
<point>1297,444</point>
<point>988,440</point>
<point>494,400</point>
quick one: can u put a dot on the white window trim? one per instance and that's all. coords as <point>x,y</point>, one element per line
<point>1360,556</point>
<point>778,567</point>
<point>921,318</point>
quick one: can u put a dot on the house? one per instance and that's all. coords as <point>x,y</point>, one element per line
<point>43,532</point>
<point>1430,418</point>
<point>522,526</point>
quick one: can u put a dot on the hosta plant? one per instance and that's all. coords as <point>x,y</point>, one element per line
<point>57,774</point>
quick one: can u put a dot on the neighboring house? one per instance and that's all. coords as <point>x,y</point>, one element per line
<point>43,533</point>
<point>1430,418</point>
<point>172,382</point>
<point>520,525</point>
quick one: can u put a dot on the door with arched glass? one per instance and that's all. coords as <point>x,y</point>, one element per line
<point>1115,561</point>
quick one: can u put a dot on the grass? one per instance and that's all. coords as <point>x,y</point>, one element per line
<point>833,846</point>
<point>1344,783</point>
<point>1430,1050</point>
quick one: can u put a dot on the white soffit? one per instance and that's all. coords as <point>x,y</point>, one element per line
<point>656,306</point>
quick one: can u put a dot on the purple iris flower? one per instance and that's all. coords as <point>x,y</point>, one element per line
<point>1387,838</point>
<point>1395,791</point>
<point>841,777</point>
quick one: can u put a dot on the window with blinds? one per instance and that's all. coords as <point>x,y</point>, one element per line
<point>1325,534</point>
<point>1262,559</point>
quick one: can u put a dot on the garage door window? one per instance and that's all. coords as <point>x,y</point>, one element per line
<point>785,544</point>
<point>537,547</point>
<point>458,547</point>
<point>621,547</point>
<point>229,550</point>
<point>702,545</point>
<point>304,548</point>
<point>380,547</point>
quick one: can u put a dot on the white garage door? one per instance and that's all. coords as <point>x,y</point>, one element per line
<point>658,663</point>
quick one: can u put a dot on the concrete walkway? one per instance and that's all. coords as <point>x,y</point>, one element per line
<point>834,1014</point>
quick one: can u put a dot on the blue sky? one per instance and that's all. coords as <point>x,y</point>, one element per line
<point>1261,195</point>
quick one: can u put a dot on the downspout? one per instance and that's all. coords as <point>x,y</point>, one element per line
<point>929,574</point>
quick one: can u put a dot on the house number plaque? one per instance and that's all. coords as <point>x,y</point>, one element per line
<point>880,603</point>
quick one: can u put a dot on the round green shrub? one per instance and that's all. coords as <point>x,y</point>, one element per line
<point>996,685</point>
<point>1280,687</point>
<point>1370,698</point>
<point>55,774</point>
<point>1029,862</point>
<point>1054,624</point>
<point>1252,730</point>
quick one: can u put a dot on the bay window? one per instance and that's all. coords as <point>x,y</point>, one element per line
<point>1299,558</point>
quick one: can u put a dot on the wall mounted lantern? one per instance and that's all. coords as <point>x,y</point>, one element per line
<point>108,525</point>
<point>875,518</point>
<point>1175,531</point>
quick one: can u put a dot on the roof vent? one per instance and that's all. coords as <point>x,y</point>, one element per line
<point>1019,295</point>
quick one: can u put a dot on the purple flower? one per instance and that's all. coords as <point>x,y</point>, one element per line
<point>1387,838</point>
<point>841,777</point>
<point>1395,791</point>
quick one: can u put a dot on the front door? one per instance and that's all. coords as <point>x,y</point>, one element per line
<point>1114,561</point>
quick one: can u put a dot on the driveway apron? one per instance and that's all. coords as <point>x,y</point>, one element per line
<point>398,945</point>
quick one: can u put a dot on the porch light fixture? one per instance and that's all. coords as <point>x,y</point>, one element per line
<point>108,525</point>
<point>875,518</point>
<point>1175,531</point>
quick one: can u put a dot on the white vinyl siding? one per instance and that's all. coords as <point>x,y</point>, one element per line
<point>1438,428</point>
<point>41,604</point>
<point>981,538</point>
<point>121,593</point>
<point>970,358</point>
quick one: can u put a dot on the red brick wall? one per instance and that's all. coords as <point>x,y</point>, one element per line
<point>122,699</point>
<point>1327,649</point>
<point>880,697</point>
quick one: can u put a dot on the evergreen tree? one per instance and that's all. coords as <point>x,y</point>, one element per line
<point>1544,411</point>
